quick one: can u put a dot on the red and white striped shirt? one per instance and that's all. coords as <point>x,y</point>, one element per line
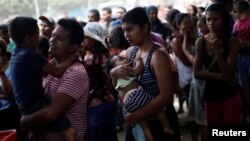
<point>74,83</point>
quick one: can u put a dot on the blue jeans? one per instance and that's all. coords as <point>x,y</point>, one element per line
<point>244,74</point>
<point>101,122</point>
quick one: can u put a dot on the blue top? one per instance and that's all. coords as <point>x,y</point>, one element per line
<point>147,78</point>
<point>6,103</point>
<point>26,76</point>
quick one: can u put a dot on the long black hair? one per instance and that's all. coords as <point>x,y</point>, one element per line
<point>227,24</point>
<point>137,16</point>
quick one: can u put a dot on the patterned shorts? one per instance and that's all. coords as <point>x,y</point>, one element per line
<point>135,99</point>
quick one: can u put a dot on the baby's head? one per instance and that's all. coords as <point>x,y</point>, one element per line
<point>114,61</point>
<point>242,9</point>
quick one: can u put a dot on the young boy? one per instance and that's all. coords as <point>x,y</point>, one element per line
<point>135,97</point>
<point>26,68</point>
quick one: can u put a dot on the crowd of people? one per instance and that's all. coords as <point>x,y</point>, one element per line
<point>123,71</point>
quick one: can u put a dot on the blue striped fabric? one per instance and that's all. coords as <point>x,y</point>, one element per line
<point>147,78</point>
<point>135,100</point>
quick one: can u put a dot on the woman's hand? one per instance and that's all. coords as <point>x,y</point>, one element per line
<point>215,43</point>
<point>122,71</point>
<point>131,119</point>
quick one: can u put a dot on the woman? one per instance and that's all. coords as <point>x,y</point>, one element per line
<point>155,78</point>
<point>101,104</point>
<point>182,46</point>
<point>218,51</point>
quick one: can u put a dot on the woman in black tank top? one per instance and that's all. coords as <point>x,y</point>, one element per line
<point>156,76</point>
<point>217,51</point>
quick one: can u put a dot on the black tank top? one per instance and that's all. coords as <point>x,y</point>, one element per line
<point>215,90</point>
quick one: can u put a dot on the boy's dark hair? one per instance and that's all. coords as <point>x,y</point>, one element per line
<point>137,16</point>
<point>76,31</point>
<point>4,28</point>
<point>123,8</point>
<point>96,12</point>
<point>242,6</point>
<point>20,27</point>
<point>108,9</point>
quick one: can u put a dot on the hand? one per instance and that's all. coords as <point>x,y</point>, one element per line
<point>52,61</point>
<point>184,32</point>
<point>229,77</point>
<point>215,43</point>
<point>122,71</point>
<point>187,30</point>
<point>131,119</point>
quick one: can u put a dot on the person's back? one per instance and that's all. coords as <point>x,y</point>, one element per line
<point>25,65</point>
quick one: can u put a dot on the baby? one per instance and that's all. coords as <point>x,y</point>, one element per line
<point>134,96</point>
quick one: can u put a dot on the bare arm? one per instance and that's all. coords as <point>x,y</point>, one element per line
<point>228,67</point>
<point>122,71</point>
<point>177,49</point>
<point>57,108</point>
<point>186,51</point>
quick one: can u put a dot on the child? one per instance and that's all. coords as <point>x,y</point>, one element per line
<point>135,97</point>
<point>26,67</point>
<point>241,30</point>
<point>202,26</point>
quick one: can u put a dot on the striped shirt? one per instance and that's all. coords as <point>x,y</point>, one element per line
<point>74,83</point>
